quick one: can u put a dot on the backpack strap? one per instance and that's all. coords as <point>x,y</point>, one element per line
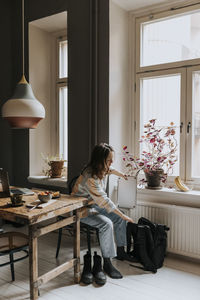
<point>142,268</point>
<point>143,240</point>
<point>144,221</point>
<point>131,232</point>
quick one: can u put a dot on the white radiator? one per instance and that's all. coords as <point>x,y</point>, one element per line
<point>184,223</point>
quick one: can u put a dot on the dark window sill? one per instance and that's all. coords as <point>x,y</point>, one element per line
<point>48,183</point>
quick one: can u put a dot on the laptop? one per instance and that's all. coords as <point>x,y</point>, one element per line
<point>6,190</point>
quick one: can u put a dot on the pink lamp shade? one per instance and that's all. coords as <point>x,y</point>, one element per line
<point>23,110</point>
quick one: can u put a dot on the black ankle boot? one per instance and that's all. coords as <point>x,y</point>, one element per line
<point>86,276</point>
<point>110,269</point>
<point>99,276</point>
<point>122,255</point>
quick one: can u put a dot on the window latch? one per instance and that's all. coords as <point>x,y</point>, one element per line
<point>188,127</point>
<point>181,127</point>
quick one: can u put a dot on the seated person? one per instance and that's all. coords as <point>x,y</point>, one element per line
<point>92,184</point>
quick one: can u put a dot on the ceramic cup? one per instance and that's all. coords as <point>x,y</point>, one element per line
<point>16,199</point>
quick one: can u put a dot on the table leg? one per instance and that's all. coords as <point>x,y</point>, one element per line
<point>33,263</point>
<point>77,276</point>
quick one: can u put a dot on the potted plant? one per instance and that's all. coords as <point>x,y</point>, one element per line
<point>158,155</point>
<point>54,166</point>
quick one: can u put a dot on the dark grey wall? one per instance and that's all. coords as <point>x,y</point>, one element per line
<point>88,35</point>
<point>6,80</point>
<point>14,145</point>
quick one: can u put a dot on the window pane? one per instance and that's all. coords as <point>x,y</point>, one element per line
<point>63,123</point>
<point>160,100</point>
<point>170,40</point>
<point>196,124</point>
<point>63,67</point>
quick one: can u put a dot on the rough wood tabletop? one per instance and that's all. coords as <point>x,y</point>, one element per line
<point>64,204</point>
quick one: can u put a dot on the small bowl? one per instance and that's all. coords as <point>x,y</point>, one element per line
<point>55,195</point>
<point>44,198</point>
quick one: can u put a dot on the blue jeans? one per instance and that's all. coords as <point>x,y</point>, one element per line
<point>106,222</point>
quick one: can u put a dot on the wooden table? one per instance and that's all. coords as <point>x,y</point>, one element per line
<point>75,207</point>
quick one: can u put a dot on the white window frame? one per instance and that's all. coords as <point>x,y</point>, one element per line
<point>156,16</point>
<point>63,79</point>
<point>182,72</point>
<point>190,71</point>
<point>60,82</point>
<point>185,68</point>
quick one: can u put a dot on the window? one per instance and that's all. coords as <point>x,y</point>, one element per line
<point>172,39</point>
<point>63,118</point>
<point>61,82</point>
<point>168,81</point>
<point>63,70</point>
<point>196,124</point>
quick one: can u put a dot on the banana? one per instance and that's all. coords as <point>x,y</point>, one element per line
<point>180,184</point>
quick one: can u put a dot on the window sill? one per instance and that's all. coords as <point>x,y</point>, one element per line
<point>170,197</point>
<point>46,181</point>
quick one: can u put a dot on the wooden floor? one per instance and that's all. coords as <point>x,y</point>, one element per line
<point>178,279</point>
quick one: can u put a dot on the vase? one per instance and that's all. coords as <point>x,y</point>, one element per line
<point>153,178</point>
<point>56,168</point>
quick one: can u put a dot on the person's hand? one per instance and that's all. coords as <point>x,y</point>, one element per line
<point>125,176</point>
<point>128,219</point>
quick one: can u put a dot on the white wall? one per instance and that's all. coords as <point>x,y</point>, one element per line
<point>119,106</point>
<point>41,53</point>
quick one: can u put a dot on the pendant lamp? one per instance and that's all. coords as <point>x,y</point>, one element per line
<point>23,110</point>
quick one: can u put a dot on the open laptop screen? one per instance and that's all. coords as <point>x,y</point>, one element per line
<point>5,189</point>
<point>4,184</point>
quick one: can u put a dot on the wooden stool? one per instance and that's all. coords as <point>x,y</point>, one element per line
<point>87,228</point>
<point>10,243</point>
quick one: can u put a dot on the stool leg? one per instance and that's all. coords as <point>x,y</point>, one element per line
<point>59,241</point>
<point>12,266</point>
<point>97,233</point>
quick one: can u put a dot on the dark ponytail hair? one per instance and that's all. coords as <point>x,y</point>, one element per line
<point>98,158</point>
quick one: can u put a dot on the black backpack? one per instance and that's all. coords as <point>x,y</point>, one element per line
<point>149,243</point>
